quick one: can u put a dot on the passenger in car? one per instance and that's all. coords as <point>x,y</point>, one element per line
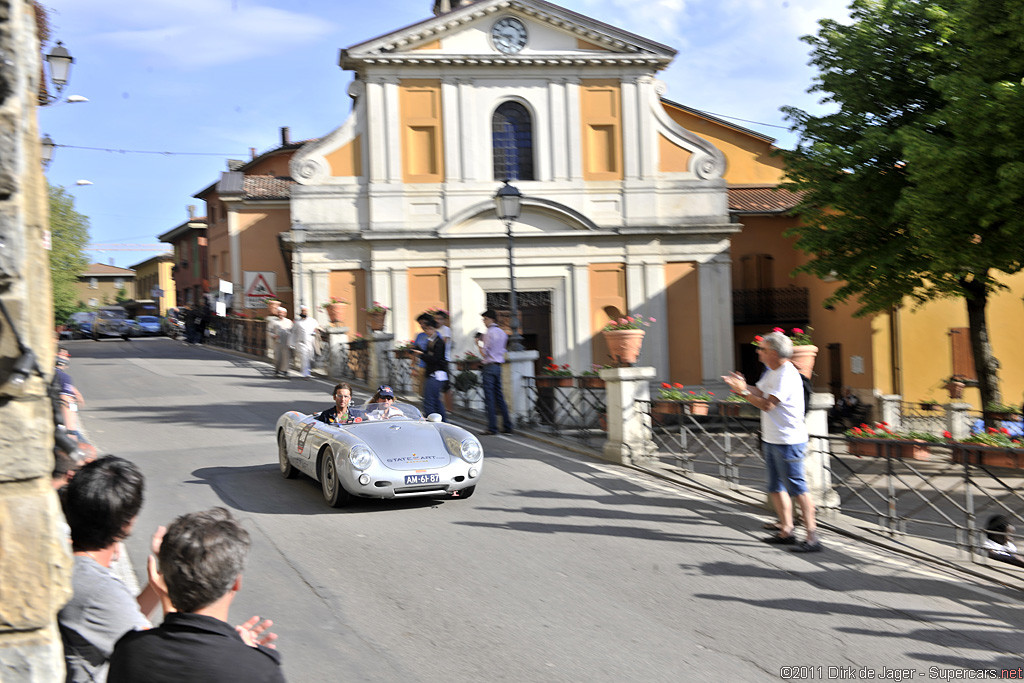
<point>382,405</point>
<point>342,411</point>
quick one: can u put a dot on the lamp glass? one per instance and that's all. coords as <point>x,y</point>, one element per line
<point>60,61</point>
<point>46,149</point>
<point>507,202</point>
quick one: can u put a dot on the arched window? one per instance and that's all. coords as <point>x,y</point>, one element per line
<point>512,136</point>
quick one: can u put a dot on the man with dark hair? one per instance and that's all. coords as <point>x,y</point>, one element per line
<point>492,349</point>
<point>435,368</point>
<point>201,561</point>
<point>101,503</point>
<point>342,410</point>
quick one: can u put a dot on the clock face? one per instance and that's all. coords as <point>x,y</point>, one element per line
<point>508,35</point>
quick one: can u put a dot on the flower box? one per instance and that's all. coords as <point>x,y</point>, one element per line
<point>591,382</point>
<point>896,448</point>
<point>970,454</point>
<point>667,407</point>
<point>698,407</point>
<point>729,409</point>
<point>550,382</point>
<point>404,354</point>
<point>469,364</point>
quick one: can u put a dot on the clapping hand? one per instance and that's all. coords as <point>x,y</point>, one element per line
<point>256,632</point>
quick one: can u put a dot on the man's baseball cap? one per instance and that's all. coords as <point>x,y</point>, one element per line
<point>385,391</point>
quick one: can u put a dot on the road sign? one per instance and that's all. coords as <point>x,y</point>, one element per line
<point>259,286</point>
<point>155,292</point>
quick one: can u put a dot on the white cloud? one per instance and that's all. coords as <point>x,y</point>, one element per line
<point>192,34</point>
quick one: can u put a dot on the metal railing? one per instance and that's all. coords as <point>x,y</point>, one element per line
<point>943,492</point>
<point>238,334</point>
<point>567,407</point>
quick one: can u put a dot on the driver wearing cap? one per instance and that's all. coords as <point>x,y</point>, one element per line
<point>382,405</point>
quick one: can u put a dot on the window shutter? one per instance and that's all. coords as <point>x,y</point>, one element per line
<point>963,357</point>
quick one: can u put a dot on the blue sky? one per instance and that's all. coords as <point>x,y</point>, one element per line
<point>215,78</point>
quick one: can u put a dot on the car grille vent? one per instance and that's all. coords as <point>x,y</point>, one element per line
<point>421,489</point>
<point>381,484</point>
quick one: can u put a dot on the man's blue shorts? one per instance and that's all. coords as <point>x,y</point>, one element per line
<point>785,460</point>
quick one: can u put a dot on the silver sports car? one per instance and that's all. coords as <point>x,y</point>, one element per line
<point>386,452</point>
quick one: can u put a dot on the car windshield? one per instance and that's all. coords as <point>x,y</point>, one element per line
<point>148,319</point>
<point>112,315</point>
<point>391,411</point>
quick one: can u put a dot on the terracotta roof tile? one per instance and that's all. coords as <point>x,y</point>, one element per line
<point>763,199</point>
<point>267,187</point>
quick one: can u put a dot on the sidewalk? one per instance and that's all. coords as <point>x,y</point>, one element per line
<point>915,548</point>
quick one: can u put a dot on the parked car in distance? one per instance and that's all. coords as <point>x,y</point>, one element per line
<point>111,321</point>
<point>174,325</point>
<point>78,326</point>
<point>149,325</point>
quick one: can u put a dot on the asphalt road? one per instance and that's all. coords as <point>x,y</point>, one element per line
<point>560,568</point>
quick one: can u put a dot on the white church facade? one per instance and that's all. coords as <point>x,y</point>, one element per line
<point>624,211</point>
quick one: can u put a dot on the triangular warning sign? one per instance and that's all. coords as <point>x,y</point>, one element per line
<point>259,287</point>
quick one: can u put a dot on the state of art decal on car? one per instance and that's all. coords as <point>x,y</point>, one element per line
<point>414,458</point>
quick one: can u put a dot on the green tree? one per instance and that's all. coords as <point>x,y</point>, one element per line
<point>121,296</point>
<point>883,177</point>
<point>69,235</point>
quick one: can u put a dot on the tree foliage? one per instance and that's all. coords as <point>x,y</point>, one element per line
<point>69,235</point>
<point>911,188</point>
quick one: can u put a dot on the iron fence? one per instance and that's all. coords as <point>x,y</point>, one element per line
<point>567,407</point>
<point>238,334</point>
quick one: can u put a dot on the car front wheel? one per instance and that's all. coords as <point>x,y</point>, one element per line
<point>334,493</point>
<point>288,470</point>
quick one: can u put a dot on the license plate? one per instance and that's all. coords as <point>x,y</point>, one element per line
<point>422,478</point>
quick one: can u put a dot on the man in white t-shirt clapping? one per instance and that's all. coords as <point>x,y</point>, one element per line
<point>779,395</point>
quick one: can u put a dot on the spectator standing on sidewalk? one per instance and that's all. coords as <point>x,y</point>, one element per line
<point>282,341</point>
<point>445,331</point>
<point>303,339</point>
<point>101,504</point>
<point>435,369</point>
<point>492,349</point>
<point>201,561</point>
<point>779,395</point>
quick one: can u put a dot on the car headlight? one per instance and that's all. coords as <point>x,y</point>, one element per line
<point>470,450</point>
<point>360,456</point>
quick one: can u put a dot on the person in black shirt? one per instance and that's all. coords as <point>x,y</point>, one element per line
<point>201,560</point>
<point>342,411</point>
<point>435,369</point>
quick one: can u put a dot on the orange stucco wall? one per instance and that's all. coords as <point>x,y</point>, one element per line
<point>422,132</point>
<point>350,286</point>
<point>671,157</point>
<point>428,288</point>
<point>347,161</point>
<point>607,302</point>
<point>601,122</point>
<point>258,231</point>
<point>682,297</point>
<point>748,158</point>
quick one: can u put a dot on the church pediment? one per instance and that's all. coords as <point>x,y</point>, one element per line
<point>524,32</point>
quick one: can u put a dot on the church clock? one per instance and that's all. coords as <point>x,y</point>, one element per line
<point>508,35</point>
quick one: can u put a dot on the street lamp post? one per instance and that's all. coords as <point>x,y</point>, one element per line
<point>508,202</point>
<point>298,239</point>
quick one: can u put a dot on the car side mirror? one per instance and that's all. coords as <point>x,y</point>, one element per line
<point>434,417</point>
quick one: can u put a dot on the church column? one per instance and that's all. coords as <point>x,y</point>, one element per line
<point>468,131</point>
<point>572,128</point>
<point>716,333</point>
<point>579,314</point>
<point>453,134</point>
<point>393,133</point>
<point>375,130</point>
<point>647,142</point>
<point>630,129</point>
<point>656,348</point>
<point>559,143</point>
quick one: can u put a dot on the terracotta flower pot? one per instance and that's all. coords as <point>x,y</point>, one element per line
<point>334,312</point>
<point>376,320</point>
<point>803,358</point>
<point>624,345</point>
<point>404,354</point>
<point>697,407</point>
<point>665,407</point>
<point>591,382</point>
<point>468,364</point>
<point>729,409</point>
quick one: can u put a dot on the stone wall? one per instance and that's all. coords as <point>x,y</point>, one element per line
<point>34,557</point>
